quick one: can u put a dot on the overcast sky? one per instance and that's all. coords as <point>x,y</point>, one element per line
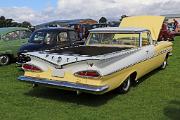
<point>40,11</point>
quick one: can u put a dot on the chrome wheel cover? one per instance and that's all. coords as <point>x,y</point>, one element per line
<point>4,60</point>
<point>126,84</point>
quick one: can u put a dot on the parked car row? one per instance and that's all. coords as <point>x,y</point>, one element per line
<point>16,40</point>
<point>49,38</point>
<point>112,57</point>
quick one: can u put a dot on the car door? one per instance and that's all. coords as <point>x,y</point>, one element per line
<point>146,54</point>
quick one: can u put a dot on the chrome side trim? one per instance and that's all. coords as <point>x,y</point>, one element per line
<point>63,84</point>
<point>156,55</point>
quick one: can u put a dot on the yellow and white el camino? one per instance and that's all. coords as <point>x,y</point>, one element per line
<point>112,58</point>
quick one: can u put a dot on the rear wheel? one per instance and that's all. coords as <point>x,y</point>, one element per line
<point>164,64</point>
<point>125,86</point>
<point>4,60</point>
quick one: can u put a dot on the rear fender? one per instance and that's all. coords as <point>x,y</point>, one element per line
<point>116,79</point>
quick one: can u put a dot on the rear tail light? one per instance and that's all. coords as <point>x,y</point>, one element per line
<point>92,74</point>
<point>28,67</point>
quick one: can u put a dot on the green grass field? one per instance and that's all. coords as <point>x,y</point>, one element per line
<point>156,97</point>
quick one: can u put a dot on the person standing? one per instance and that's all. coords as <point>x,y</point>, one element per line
<point>77,29</point>
<point>175,24</point>
<point>86,33</point>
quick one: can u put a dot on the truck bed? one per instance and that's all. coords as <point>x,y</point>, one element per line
<point>88,50</point>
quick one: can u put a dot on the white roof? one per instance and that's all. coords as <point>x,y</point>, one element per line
<point>119,29</point>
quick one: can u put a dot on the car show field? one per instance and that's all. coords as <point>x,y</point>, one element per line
<point>155,97</point>
<point>90,60</point>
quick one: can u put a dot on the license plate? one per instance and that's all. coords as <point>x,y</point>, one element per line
<point>58,73</point>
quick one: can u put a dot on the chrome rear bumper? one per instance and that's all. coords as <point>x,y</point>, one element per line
<point>66,85</point>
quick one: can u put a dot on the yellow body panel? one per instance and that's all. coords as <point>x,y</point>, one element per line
<point>152,23</point>
<point>115,79</point>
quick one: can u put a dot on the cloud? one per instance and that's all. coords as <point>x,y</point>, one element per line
<point>74,9</point>
<point>21,14</point>
<point>115,8</point>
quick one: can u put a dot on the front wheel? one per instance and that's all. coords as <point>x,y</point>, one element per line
<point>125,86</point>
<point>4,60</point>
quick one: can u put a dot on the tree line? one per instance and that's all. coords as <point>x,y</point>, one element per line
<point>4,22</point>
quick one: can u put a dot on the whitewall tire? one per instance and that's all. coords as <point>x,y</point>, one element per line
<point>164,64</point>
<point>4,60</point>
<point>125,86</point>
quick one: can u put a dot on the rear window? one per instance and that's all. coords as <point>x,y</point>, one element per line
<point>131,40</point>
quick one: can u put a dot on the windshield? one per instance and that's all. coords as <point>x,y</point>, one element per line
<point>122,39</point>
<point>39,37</point>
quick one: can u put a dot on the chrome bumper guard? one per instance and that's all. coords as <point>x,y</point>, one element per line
<point>63,84</point>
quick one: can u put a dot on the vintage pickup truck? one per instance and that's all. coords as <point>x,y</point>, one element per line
<point>113,58</point>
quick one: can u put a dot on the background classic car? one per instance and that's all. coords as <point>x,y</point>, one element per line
<point>58,36</point>
<point>49,38</point>
<point>113,58</point>
<point>11,38</point>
